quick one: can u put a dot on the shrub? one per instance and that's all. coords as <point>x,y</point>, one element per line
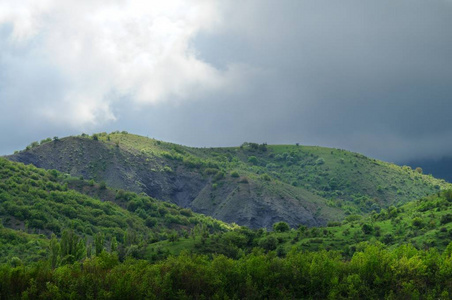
<point>446,219</point>
<point>167,169</point>
<point>218,176</point>
<point>320,161</point>
<point>269,243</point>
<point>333,224</point>
<point>367,228</point>
<point>418,222</point>
<point>102,185</point>
<point>266,177</point>
<point>234,174</point>
<point>253,160</point>
<point>281,227</point>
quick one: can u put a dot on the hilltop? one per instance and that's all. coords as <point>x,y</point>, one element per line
<point>255,185</point>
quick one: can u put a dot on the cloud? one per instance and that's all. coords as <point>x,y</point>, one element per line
<point>368,76</point>
<point>106,50</point>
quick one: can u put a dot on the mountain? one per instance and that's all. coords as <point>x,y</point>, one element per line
<point>255,185</point>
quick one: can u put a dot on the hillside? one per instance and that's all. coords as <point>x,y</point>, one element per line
<point>111,243</point>
<point>35,203</point>
<point>423,224</point>
<point>390,255</point>
<point>253,185</point>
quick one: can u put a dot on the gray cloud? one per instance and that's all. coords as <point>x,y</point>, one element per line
<point>368,76</point>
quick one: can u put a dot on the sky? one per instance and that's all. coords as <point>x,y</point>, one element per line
<point>373,76</point>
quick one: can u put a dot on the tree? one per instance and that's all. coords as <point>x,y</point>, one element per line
<point>54,248</point>
<point>99,243</point>
<point>72,247</point>
<point>269,243</point>
<point>253,160</point>
<point>367,228</point>
<point>102,185</point>
<point>114,245</point>
<point>281,227</point>
<point>418,222</point>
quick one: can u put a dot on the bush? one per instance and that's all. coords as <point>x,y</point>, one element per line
<point>418,222</point>
<point>253,160</point>
<point>320,161</point>
<point>234,174</point>
<point>218,176</point>
<point>266,177</point>
<point>446,219</point>
<point>367,228</point>
<point>281,227</point>
<point>333,224</point>
<point>269,243</point>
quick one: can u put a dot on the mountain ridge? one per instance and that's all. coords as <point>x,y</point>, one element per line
<point>255,185</point>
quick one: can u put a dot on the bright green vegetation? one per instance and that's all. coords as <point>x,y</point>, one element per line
<point>21,245</point>
<point>254,185</point>
<point>372,273</point>
<point>66,237</point>
<point>424,224</point>
<point>37,203</point>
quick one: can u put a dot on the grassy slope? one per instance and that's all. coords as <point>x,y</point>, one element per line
<point>425,223</point>
<point>34,203</point>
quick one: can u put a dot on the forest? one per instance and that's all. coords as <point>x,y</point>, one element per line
<point>374,272</point>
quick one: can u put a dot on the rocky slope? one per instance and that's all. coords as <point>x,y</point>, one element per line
<point>254,185</point>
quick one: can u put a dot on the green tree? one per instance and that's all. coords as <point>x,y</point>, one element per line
<point>367,228</point>
<point>99,243</point>
<point>54,248</point>
<point>253,159</point>
<point>72,247</point>
<point>114,245</point>
<point>281,227</point>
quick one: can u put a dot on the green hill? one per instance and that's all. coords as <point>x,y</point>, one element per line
<point>115,244</point>
<point>255,185</point>
<point>35,203</point>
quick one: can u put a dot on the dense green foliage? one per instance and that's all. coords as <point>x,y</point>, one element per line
<point>63,237</point>
<point>40,202</point>
<point>373,273</point>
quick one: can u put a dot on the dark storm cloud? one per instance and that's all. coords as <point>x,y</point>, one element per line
<point>372,76</point>
<point>367,76</point>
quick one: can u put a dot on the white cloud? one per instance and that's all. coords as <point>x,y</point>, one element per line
<point>139,50</point>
